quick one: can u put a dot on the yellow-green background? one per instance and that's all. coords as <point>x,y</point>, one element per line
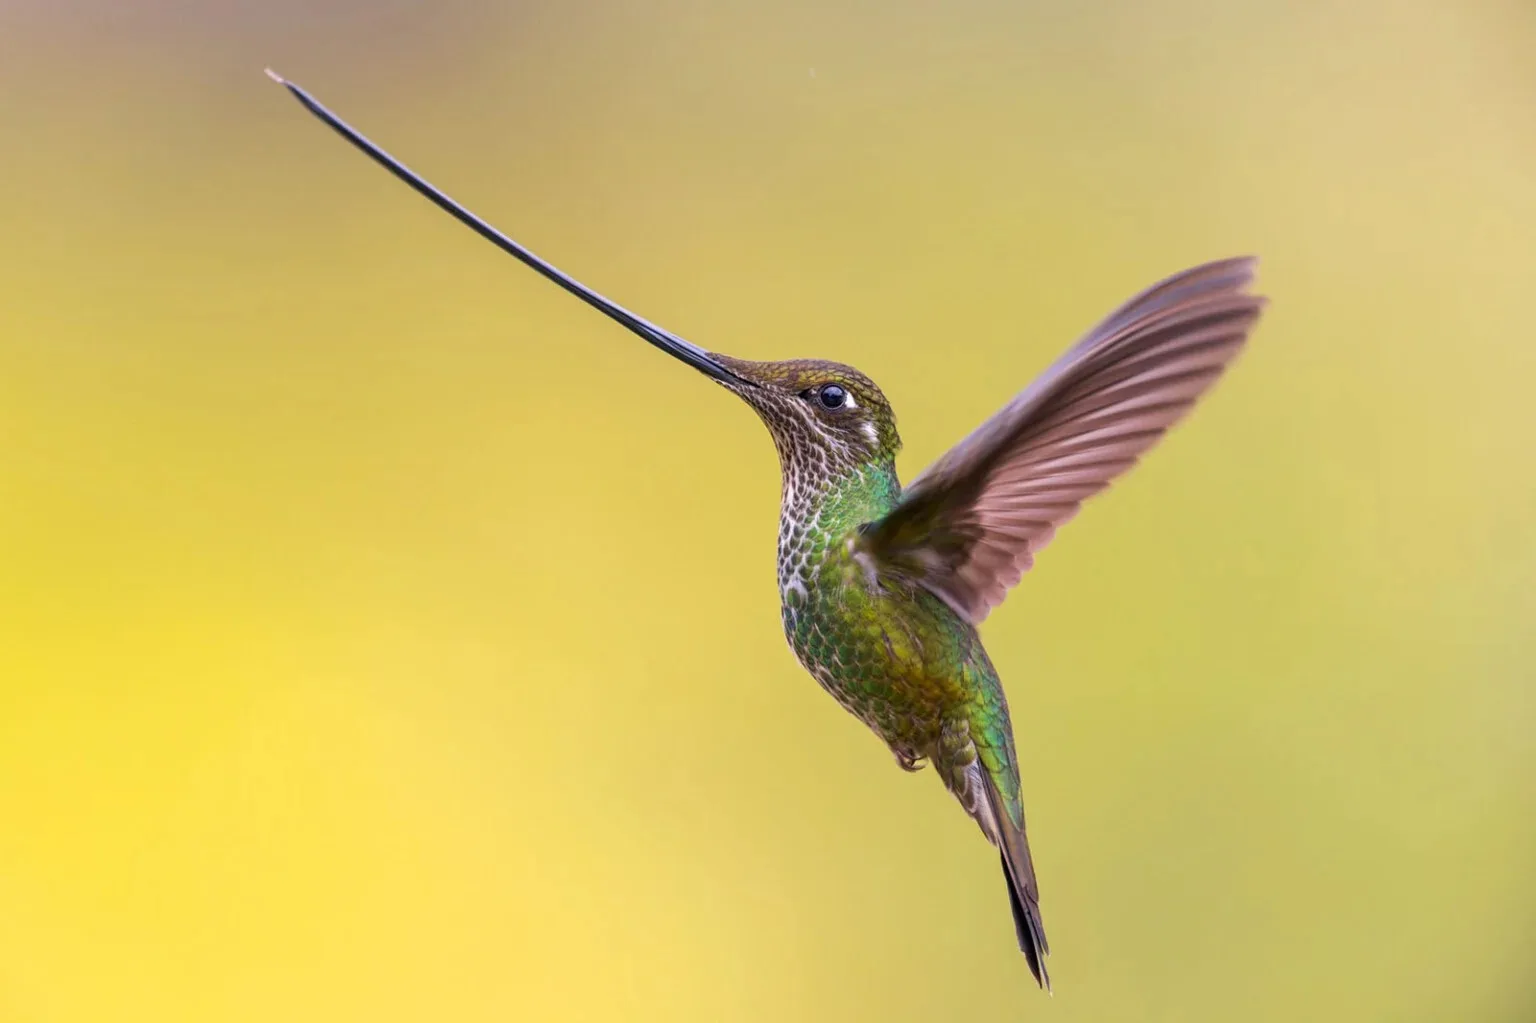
<point>386,636</point>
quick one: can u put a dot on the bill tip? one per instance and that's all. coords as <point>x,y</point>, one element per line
<point>279,79</point>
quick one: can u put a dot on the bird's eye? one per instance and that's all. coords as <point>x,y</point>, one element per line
<point>832,397</point>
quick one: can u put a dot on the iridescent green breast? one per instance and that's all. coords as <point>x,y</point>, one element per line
<point>891,654</point>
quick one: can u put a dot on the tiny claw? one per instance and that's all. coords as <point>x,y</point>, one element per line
<point>907,760</point>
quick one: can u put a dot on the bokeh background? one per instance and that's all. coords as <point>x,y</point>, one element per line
<point>386,636</point>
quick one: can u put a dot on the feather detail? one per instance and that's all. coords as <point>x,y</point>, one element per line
<point>969,527</point>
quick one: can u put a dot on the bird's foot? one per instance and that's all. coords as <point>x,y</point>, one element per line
<point>907,760</point>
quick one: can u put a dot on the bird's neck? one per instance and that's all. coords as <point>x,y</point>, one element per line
<point>818,510</point>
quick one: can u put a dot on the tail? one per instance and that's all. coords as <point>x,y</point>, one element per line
<point>1023,892</point>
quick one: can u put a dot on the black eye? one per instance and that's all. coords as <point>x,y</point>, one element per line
<point>832,396</point>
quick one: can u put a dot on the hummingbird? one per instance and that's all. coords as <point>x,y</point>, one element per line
<point>883,586</point>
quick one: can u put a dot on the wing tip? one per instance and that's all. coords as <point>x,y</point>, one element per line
<point>1248,264</point>
<point>1217,280</point>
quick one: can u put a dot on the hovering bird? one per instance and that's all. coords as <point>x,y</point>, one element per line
<point>883,586</point>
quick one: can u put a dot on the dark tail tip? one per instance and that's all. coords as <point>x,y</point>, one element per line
<point>1030,929</point>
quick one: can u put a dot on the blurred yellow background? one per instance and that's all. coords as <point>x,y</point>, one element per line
<point>384,635</point>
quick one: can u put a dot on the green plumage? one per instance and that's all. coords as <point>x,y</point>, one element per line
<point>897,657</point>
<point>894,655</point>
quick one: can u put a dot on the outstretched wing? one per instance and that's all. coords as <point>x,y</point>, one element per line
<point>969,527</point>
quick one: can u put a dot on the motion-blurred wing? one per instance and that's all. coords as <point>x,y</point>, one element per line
<point>969,527</point>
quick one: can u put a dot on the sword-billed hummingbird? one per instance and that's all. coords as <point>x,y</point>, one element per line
<point>883,586</point>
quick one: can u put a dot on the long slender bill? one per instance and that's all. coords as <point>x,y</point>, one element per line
<point>664,339</point>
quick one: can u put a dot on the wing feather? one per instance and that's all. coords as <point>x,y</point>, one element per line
<point>970,526</point>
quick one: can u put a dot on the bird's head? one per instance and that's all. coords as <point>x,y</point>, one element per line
<point>824,411</point>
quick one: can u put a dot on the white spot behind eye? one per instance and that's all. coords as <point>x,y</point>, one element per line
<point>848,401</point>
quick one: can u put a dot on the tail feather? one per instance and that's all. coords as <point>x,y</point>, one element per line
<point>1026,923</point>
<point>1023,892</point>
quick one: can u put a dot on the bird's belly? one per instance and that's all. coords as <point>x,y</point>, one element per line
<point>884,666</point>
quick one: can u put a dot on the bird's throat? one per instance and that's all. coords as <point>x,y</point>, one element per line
<point>818,514</point>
